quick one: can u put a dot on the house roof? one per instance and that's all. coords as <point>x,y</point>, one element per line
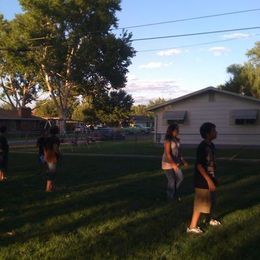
<point>199,92</point>
<point>14,115</point>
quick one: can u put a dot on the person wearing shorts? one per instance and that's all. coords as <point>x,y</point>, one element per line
<point>205,180</point>
<point>51,157</point>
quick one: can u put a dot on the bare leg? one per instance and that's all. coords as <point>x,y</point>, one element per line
<point>195,219</point>
<point>49,186</point>
<point>2,176</point>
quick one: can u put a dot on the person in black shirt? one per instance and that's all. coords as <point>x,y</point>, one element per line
<point>4,151</point>
<point>205,181</point>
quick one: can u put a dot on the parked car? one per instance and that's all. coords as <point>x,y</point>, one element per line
<point>107,133</point>
<point>137,129</point>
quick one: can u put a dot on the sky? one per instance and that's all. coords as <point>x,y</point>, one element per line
<point>172,67</point>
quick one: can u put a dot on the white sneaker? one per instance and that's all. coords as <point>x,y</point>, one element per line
<point>214,222</point>
<point>195,230</point>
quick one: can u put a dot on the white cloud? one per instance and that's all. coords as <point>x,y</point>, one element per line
<point>155,65</point>
<point>145,90</point>
<point>131,77</point>
<point>236,36</point>
<point>218,51</point>
<point>151,65</point>
<point>169,52</point>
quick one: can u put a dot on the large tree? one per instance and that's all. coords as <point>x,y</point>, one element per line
<point>73,46</point>
<point>111,108</point>
<point>245,78</point>
<point>252,70</point>
<point>237,82</point>
<point>19,85</point>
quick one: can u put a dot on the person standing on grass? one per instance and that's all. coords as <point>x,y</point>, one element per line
<point>172,160</point>
<point>40,145</point>
<point>4,152</point>
<point>51,157</point>
<point>205,179</point>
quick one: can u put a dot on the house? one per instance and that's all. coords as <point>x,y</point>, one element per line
<point>237,117</point>
<point>21,121</point>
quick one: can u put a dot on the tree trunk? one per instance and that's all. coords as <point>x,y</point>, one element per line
<point>62,122</point>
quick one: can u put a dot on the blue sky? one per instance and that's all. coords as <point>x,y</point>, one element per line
<point>177,71</point>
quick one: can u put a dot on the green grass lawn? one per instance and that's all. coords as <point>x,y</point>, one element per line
<point>116,208</point>
<point>144,148</point>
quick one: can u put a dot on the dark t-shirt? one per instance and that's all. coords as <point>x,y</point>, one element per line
<point>4,147</point>
<point>51,149</point>
<point>206,157</point>
<point>50,142</point>
<point>4,150</point>
<point>40,144</point>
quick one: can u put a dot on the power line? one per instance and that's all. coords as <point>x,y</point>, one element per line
<point>160,37</point>
<point>194,34</point>
<point>190,45</point>
<point>189,19</point>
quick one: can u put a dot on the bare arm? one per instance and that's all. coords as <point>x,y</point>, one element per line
<point>185,163</point>
<point>167,151</point>
<point>212,186</point>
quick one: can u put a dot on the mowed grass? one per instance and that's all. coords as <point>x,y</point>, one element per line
<point>116,208</point>
<point>145,147</point>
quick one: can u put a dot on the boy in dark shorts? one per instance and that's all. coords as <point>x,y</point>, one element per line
<point>204,179</point>
<point>4,151</point>
<point>51,157</point>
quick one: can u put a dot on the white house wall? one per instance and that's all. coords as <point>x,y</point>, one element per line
<point>200,109</point>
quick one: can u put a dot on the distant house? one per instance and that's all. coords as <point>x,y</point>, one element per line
<point>143,121</point>
<point>21,121</point>
<point>237,117</point>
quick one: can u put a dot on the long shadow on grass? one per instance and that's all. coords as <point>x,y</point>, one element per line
<point>237,239</point>
<point>159,223</point>
<point>100,197</point>
<point>158,227</point>
<point>114,190</point>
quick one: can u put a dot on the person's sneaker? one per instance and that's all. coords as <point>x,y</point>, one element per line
<point>195,230</point>
<point>214,222</point>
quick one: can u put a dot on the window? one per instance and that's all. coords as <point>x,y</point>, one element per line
<point>245,117</point>
<point>175,116</point>
<point>245,121</point>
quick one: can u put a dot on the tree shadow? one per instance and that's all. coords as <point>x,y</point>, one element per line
<point>126,195</point>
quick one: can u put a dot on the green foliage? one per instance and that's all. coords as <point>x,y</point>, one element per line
<point>6,106</point>
<point>254,54</point>
<point>156,101</point>
<point>46,108</point>
<point>111,108</point>
<point>245,79</point>
<point>237,82</point>
<point>140,110</point>
<point>79,111</point>
<point>19,84</point>
<point>72,47</point>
